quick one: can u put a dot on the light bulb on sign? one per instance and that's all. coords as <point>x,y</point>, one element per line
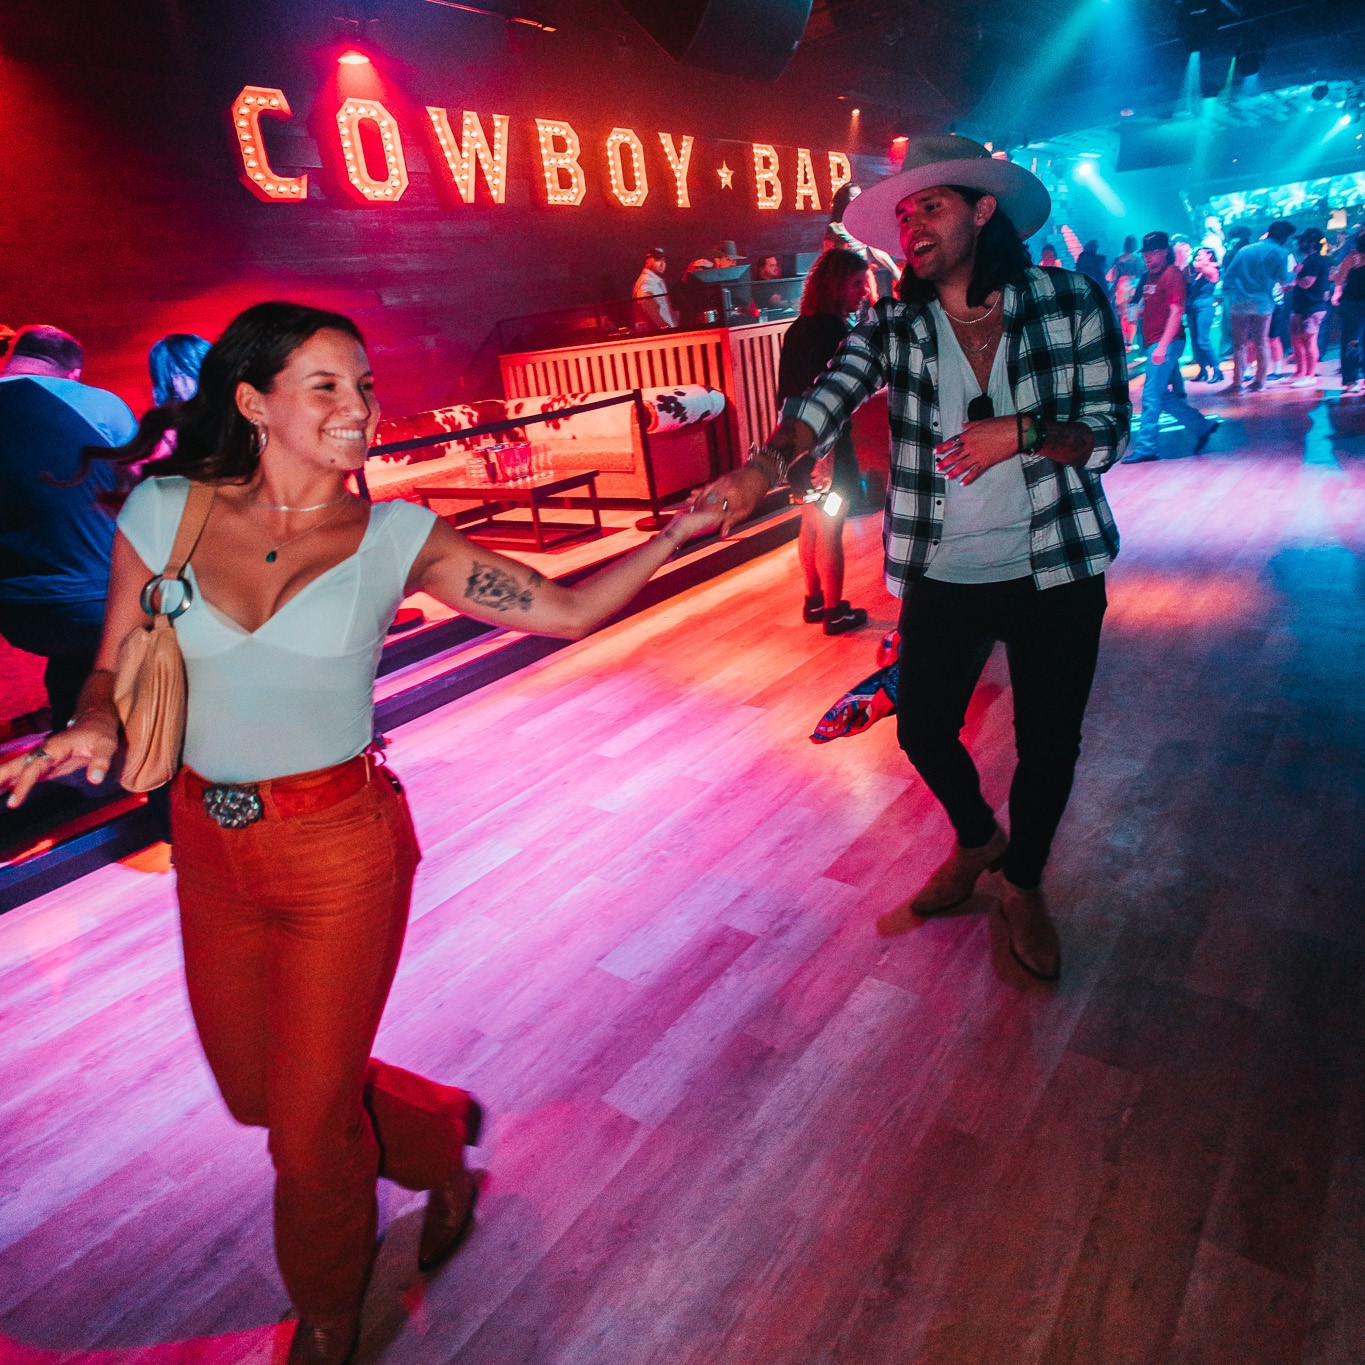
<point>257,174</point>
<point>558,163</point>
<point>767,185</point>
<point>472,148</point>
<point>623,140</point>
<point>366,187</point>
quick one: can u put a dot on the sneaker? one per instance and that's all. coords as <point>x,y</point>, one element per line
<point>814,609</point>
<point>1306,382</point>
<point>841,618</point>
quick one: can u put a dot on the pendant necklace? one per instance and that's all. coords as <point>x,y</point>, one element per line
<point>272,555</point>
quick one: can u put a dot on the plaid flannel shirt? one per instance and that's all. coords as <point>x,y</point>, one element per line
<point>1066,364</point>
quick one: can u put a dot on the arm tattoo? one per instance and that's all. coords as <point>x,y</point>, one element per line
<point>1067,442</point>
<point>491,587</point>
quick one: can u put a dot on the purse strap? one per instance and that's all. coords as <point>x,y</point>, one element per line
<point>192,522</point>
<point>193,518</point>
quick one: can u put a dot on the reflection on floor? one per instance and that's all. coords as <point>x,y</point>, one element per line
<point>729,1123</point>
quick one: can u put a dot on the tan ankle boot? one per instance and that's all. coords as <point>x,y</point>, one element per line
<point>956,877</point>
<point>1033,937</point>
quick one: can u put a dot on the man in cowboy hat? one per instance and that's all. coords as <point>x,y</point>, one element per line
<point>1008,397</point>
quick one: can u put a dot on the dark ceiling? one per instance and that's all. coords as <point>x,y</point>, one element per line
<point>1033,68</point>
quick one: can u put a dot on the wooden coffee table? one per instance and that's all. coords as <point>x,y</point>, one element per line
<point>536,492</point>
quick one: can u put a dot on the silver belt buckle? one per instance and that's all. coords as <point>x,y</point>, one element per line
<point>233,806</point>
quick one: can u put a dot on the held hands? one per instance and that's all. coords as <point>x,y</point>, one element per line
<point>691,522</point>
<point>732,498</point>
<point>89,744</point>
<point>981,446</point>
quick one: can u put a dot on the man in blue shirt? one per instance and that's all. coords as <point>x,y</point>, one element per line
<point>1249,285</point>
<point>55,537</point>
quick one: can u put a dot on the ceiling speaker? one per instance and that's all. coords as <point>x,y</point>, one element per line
<point>753,38</point>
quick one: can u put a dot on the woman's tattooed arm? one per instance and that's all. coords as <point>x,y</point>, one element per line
<point>492,587</point>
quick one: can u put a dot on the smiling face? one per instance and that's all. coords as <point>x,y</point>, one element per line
<point>320,410</point>
<point>939,229</point>
<point>854,293</point>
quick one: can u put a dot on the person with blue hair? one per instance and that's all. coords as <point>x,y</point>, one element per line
<point>174,366</point>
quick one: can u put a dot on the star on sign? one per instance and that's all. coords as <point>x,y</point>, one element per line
<point>727,176</point>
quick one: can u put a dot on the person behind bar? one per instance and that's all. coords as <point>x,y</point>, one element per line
<point>653,310</point>
<point>294,849</point>
<point>1008,396</point>
<point>836,287</point>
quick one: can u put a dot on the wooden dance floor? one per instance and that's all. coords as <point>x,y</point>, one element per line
<point>729,1123</point>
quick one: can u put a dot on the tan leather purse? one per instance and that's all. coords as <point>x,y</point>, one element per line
<point>149,685</point>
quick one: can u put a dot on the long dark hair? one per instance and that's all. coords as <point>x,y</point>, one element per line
<point>1001,259</point>
<point>827,279</point>
<point>213,442</point>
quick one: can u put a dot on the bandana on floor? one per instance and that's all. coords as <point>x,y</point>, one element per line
<point>871,700</point>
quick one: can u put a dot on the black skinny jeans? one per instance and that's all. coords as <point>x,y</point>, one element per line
<point>1052,640</point>
<point>1352,314</point>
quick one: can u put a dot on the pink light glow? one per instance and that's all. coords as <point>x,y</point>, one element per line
<point>353,59</point>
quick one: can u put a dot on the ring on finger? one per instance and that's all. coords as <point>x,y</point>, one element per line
<point>36,753</point>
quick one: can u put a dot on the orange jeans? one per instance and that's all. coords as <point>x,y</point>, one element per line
<point>292,931</point>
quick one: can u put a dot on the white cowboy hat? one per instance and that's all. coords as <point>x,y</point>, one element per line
<point>930,161</point>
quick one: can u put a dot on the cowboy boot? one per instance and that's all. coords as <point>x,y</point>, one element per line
<point>450,1206</point>
<point>1033,937</point>
<point>956,877</point>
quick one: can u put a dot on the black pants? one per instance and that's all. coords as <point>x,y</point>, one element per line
<point>1352,340</point>
<point>1051,640</point>
<point>67,634</point>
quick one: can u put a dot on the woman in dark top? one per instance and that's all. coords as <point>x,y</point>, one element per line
<point>835,288</point>
<point>1308,306</point>
<point>1201,278</point>
<point>1350,298</point>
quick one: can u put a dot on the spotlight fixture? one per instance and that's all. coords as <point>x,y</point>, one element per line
<point>353,58</point>
<point>1250,56</point>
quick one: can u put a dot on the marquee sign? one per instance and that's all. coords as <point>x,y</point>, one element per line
<point>471,165</point>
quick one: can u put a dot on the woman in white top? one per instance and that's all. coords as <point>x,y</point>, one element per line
<point>294,850</point>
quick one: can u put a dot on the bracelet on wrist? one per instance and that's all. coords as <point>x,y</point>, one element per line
<point>770,462</point>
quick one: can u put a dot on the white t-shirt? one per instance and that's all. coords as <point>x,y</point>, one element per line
<point>649,284</point>
<point>986,523</point>
<point>298,693</point>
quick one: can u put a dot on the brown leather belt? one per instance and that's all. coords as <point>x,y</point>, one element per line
<point>234,805</point>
